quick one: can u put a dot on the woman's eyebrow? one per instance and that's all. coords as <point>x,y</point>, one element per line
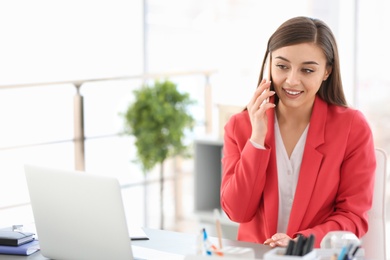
<point>305,62</point>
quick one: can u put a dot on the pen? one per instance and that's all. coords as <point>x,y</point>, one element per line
<point>298,247</point>
<point>290,247</point>
<point>355,251</point>
<point>346,257</point>
<point>205,237</point>
<point>209,247</point>
<point>208,252</point>
<point>309,243</point>
<point>342,253</point>
<point>218,226</point>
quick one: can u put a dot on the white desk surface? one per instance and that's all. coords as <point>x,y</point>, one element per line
<point>166,241</point>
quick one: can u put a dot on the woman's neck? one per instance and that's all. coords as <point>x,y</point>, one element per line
<point>292,123</point>
<point>295,116</point>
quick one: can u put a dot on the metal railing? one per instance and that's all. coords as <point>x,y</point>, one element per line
<point>78,106</point>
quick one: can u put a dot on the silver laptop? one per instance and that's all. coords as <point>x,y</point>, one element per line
<point>78,215</point>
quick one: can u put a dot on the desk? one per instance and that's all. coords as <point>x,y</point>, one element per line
<point>168,241</point>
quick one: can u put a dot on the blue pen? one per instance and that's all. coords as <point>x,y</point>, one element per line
<point>342,253</point>
<point>205,240</point>
<point>204,234</point>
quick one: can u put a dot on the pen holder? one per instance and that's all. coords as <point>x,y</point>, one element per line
<point>278,254</point>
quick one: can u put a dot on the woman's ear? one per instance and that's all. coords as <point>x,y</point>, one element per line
<point>327,72</point>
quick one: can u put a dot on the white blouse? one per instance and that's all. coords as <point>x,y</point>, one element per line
<point>288,174</point>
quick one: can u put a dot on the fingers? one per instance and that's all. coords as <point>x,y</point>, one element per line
<point>268,241</point>
<point>279,239</point>
<point>260,97</point>
<point>257,108</point>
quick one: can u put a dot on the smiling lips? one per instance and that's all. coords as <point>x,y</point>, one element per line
<point>292,93</point>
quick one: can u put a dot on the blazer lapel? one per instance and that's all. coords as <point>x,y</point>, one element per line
<point>311,163</point>
<point>271,192</point>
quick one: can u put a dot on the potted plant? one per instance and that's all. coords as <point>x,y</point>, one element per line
<point>158,119</point>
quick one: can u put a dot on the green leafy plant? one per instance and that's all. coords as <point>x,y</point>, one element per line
<point>158,119</point>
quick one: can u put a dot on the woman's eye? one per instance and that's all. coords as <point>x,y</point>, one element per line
<point>308,71</point>
<point>280,66</point>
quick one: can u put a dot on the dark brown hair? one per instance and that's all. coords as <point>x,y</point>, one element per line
<point>309,30</point>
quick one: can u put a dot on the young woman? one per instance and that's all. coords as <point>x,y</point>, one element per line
<point>298,160</point>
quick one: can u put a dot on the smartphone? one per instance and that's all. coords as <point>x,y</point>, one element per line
<point>267,69</point>
<point>267,72</point>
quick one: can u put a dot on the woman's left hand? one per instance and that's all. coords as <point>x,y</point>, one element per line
<point>279,239</point>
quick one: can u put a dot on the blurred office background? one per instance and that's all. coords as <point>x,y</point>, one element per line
<point>52,53</point>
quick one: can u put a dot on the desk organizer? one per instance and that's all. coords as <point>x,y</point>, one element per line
<point>278,254</point>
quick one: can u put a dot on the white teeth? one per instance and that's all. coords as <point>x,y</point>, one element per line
<point>292,92</point>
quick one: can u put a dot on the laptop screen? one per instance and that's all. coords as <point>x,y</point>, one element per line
<point>78,215</point>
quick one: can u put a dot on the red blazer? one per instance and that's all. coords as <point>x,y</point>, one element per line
<point>336,179</point>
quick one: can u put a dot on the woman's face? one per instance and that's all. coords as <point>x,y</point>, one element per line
<point>297,73</point>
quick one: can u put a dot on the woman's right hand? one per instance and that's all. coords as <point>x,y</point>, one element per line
<point>257,107</point>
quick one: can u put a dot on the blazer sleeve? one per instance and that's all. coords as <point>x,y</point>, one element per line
<point>244,170</point>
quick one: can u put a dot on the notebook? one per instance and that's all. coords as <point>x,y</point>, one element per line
<point>78,215</point>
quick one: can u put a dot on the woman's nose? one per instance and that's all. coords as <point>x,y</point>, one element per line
<point>293,78</point>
